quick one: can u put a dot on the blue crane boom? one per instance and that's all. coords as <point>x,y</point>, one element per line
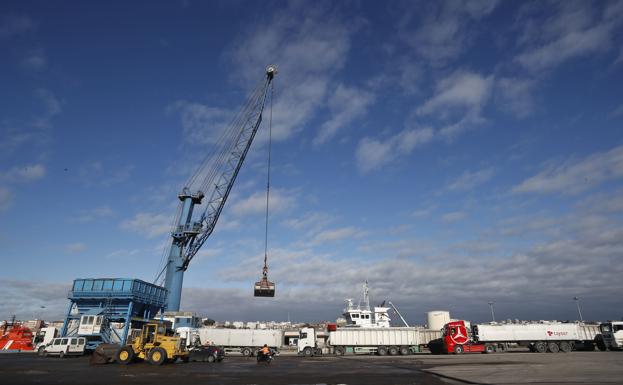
<point>216,175</point>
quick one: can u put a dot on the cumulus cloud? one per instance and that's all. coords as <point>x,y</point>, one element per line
<point>575,176</point>
<point>202,124</point>
<point>372,154</point>
<point>461,89</point>
<point>346,104</point>
<point>150,225</point>
<point>26,173</point>
<point>573,30</point>
<point>29,299</point>
<point>470,179</point>
<point>280,201</point>
<point>310,45</point>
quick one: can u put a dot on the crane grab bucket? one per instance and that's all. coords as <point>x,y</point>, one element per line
<point>264,288</point>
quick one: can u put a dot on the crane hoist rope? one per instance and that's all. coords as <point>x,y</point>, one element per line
<point>264,287</point>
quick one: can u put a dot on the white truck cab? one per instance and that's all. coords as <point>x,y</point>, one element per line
<point>45,336</point>
<point>64,346</point>
<point>611,335</point>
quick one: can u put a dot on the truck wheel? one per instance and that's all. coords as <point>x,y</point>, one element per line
<point>489,349</point>
<point>601,344</point>
<point>404,351</point>
<point>381,351</point>
<point>41,351</point>
<point>393,350</point>
<point>540,347</point>
<point>157,356</point>
<point>458,349</point>
<point>339,350</point>
<point>565,347</point>
<point>211,358</point>
<point>246,352</point>
<point>308,352</point>
<point>125,355</point>
<point>61,354</point>
<point>501,348</point>
<point>553,347</point>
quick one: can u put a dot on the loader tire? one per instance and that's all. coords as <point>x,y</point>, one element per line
<point>125,355</point>
<point>157,356</point>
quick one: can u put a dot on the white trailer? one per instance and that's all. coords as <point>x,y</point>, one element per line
<point>380,341</point>
<point>245,341</point>
<point>552,336</point>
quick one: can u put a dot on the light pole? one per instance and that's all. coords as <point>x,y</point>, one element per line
<point>492,313</point>
<point>577,302</point>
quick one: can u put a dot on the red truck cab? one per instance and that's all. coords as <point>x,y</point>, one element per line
<point>457,339</point>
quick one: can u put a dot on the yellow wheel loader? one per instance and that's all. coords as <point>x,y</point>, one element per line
<point>155,346</point>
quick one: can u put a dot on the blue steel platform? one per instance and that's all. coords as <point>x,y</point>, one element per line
<point>124,301</point>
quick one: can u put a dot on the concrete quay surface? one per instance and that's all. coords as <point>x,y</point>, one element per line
<point>425,369</point>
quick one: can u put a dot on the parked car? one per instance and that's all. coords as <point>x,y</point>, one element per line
<point>64,346</point>
<point>206,353</point>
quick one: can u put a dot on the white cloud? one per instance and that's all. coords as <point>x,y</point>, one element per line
<point>442,32</point>
<point>572,31</point>
<point>254,204</point>
<point>311,221</point>
<point>372,154</point>
<point>515,96</point>
<point>469,179</point>
<point>336,235</point>
<point>75,247</point>
<point>461,89</point>
<point>346,104</point>
<point>13,25</point>
<point>202,124</point>
<point>310,44</point>
<point>6,198</point>
<point>572,177</point>
<point>94,214</point>
<point>35,60</point>
<point>453,217</point>
<point>52,107</point>
<point>27,173</point>
<point>149,225</point>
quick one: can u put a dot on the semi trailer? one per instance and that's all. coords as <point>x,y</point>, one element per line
<point>380,341</point>
<point>244,341</point>
<point>462,337</point>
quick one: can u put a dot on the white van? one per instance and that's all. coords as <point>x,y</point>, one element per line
<point>65,346</point>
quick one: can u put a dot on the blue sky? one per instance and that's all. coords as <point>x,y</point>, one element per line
<point>452,153</point>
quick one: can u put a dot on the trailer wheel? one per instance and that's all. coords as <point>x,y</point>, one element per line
<point>489,349</point>
<point>393,350</point>
<point>501,348</point>
<point>565,347</point>
<point>339,350</point>
<point>458,349</point>
<point>246,352</point>
<point>404,351</point>
<point>553,347</point>
<point>540,347</point>
<point>381,351</point>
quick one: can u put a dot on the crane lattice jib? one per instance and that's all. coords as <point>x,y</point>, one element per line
<point>250,120</point>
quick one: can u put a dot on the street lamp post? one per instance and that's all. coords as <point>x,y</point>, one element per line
<point>492,313</point>
<point>577,302</point>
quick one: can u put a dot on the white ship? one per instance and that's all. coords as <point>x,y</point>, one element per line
<point>361,315</point>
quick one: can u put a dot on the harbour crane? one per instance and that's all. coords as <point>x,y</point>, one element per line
<point>215,176</point>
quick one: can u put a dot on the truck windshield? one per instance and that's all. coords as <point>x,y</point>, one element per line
<point>605,328</point>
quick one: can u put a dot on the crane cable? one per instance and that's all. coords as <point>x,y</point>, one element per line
<point>270,136</point>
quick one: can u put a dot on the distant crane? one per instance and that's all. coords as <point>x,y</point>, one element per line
<point>217,175</point>
<point>397,312</point>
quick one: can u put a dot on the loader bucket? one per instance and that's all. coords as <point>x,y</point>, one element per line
<point>264,288</point>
